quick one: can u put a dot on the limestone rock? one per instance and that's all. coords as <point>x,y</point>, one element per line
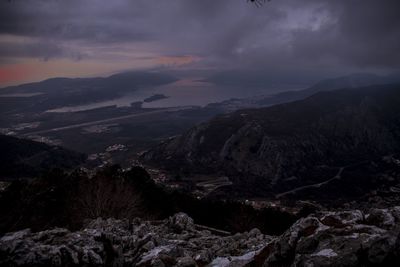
<point>343,238</point>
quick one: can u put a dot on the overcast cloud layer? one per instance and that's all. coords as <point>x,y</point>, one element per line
<point>284,35</point>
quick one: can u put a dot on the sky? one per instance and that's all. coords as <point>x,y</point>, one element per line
<point>40,39</point>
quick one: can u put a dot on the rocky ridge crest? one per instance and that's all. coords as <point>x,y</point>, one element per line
<point>341,238</point>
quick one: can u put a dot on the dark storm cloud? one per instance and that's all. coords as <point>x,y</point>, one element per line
<point>35,49</point>
<point>363,32</point>
<point>284,34</point>
<point>66,20</point>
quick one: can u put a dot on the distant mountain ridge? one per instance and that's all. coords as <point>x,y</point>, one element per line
<point>344,82</point>
<point>125,79</point>
<point>57,92</point>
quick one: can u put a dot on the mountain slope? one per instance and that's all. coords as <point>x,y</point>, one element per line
<point>26,158</point>
<point>284,147</point>
<point>349,81</point>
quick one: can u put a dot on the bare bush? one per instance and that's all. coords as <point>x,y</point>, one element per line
<point>108,197</point>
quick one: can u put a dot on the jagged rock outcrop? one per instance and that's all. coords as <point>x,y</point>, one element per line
<point>343,238</point>
<point>176,241</point>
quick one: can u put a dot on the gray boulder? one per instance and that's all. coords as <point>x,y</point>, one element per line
<point>343,238</point>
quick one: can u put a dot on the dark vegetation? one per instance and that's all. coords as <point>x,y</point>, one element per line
<point>66,200</point>
<point>24,158</point>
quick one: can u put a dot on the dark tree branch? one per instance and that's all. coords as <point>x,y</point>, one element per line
<point>258,3</point>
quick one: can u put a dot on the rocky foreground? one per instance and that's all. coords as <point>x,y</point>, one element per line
<point>345,238</point>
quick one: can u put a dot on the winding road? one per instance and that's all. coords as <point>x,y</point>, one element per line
<point>338,176</point>
<point>317,185</point>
